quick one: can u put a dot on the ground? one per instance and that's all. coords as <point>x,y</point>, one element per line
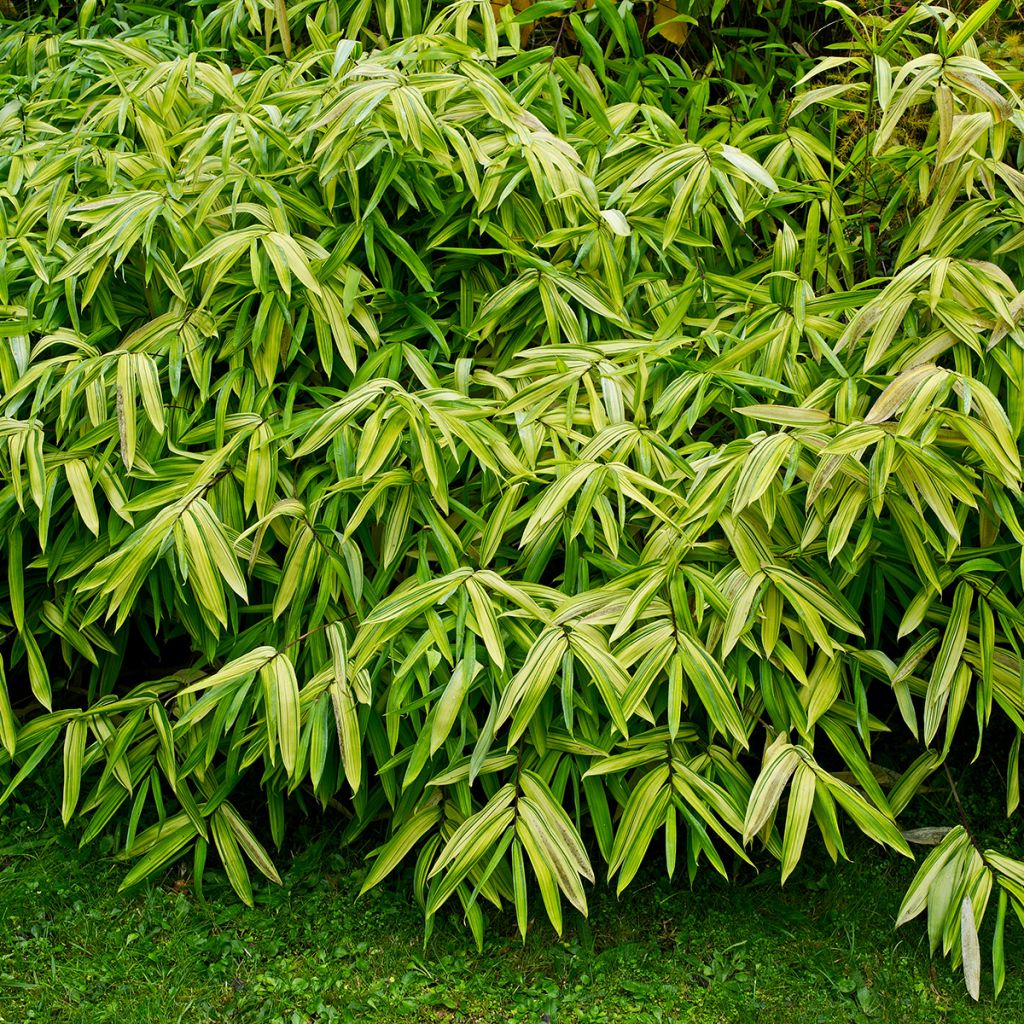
<point>74,950</point>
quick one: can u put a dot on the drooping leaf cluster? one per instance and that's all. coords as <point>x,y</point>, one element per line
<point>550,455</point>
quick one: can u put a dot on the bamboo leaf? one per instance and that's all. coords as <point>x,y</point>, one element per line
<point>74,751</point>
<point>971,951</point>
<point>768,789</point>
<point>231,856</point>
<point>81,489</point>
<point>798,814</point>
<point>391,854</point>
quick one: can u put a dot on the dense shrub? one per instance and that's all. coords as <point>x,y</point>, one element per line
<point>542,452</point>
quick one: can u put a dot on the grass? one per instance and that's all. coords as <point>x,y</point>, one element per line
<point>73,949</point>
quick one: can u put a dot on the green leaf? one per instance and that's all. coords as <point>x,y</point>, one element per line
<point>451,702</point>
<point>713,688</point>
<point>173,836</point>
<point>391,854</point>
<point>231,856</point>
<point>768,789</point>
<point>970,950</point>
<point>998,956</point>
<point>346,720</point>
<point>281,696</point>
<point>74,752</point>
<point>798,814</point>
<point>519,894</point>
<point>248,842</point>
<point>971,25</point>
<point>528,686</point>
<point>8,723</point>
<point>874,823</point>
<point>947,661</point>
<point>749,167</point>
<point>558,823</point>
<point>469,844</point>
<point>486,622</point>
<point>543,874</point>
<point>77,474</point>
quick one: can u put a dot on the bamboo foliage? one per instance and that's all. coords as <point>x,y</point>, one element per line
<point>540,464</point>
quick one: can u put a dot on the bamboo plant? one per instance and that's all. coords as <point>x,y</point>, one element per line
<point>557,457</point>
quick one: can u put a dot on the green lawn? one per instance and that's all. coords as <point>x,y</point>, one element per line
<point>74,950</point>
